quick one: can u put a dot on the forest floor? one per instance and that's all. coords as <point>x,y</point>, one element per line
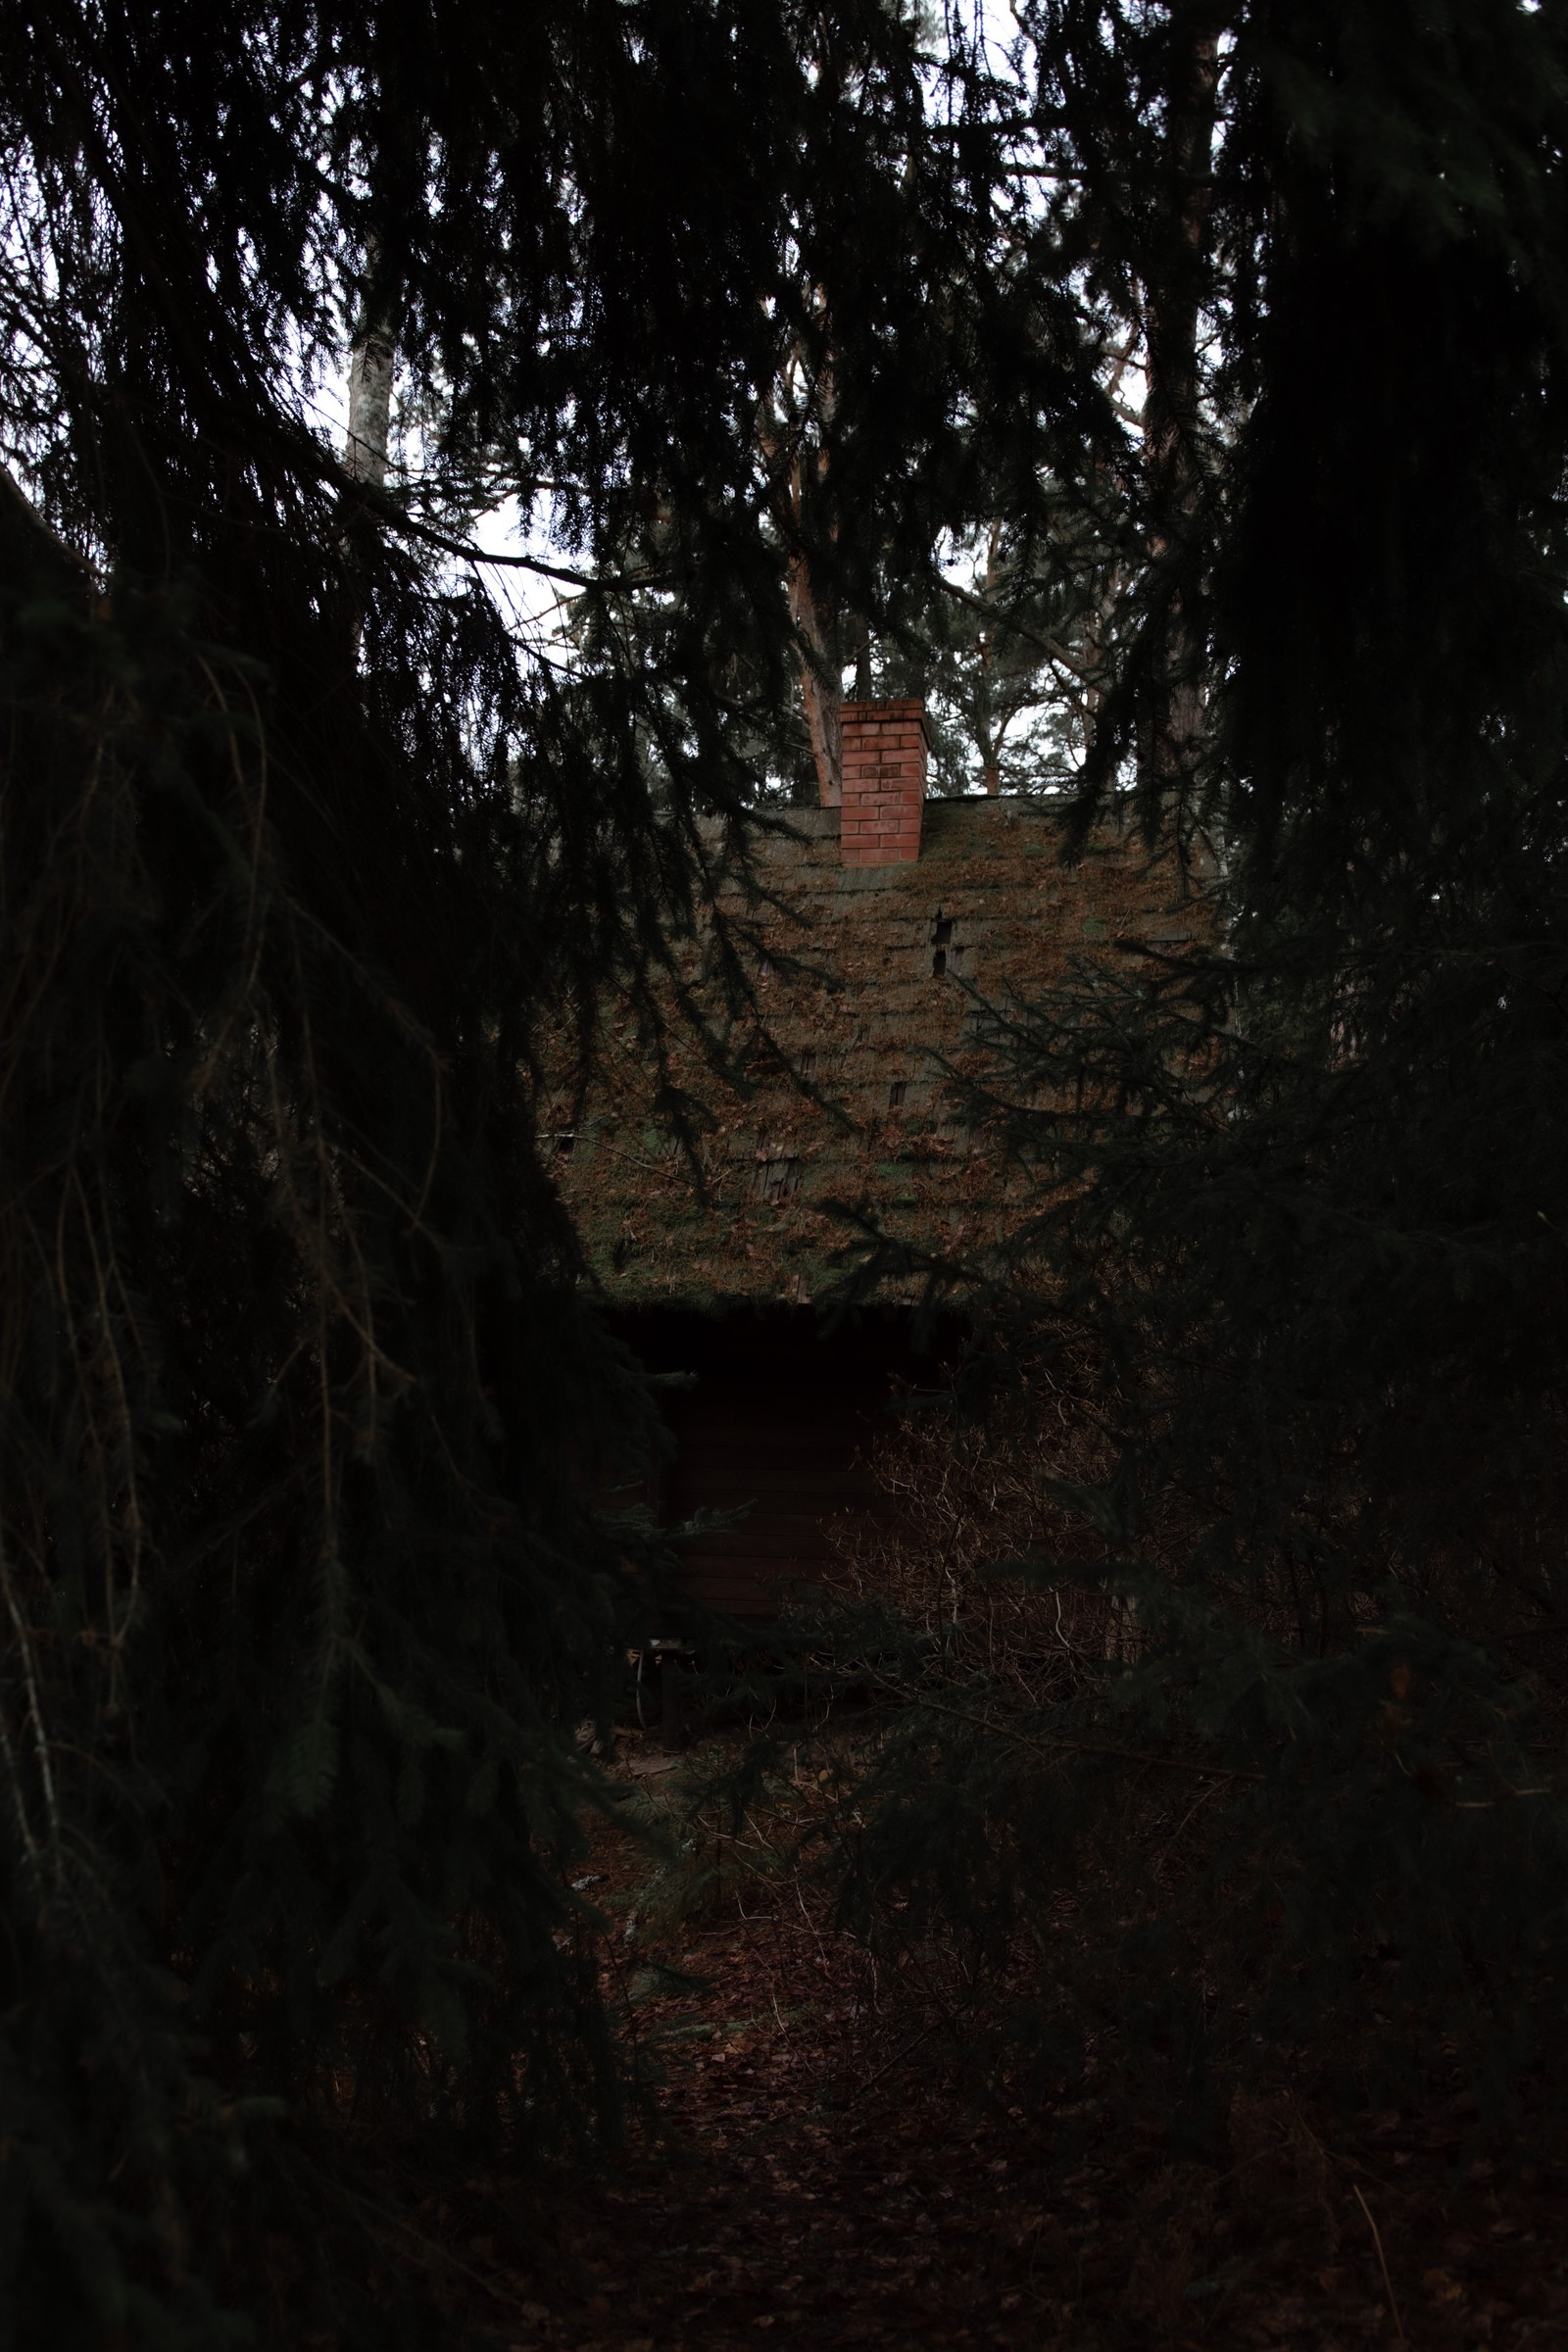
<point>812,2177</point>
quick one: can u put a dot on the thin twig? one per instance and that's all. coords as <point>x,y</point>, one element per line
<point>1383,2266</point>
<point>908,2047</point>
<point>1167,1848</point>
<point>1073,1747</point>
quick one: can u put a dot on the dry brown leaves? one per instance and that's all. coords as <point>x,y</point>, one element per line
<point>812,2177</point>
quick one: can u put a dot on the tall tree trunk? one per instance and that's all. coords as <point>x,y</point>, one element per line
<point>815,617</point>
<point>365,454</point>
<point>819,691</point>
<point>987,728</point>
<point>1171,408</point>
<point>365,460</point>
<point>862,661</point>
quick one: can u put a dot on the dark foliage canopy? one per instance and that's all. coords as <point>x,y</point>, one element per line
<point>1303,1264</point>
<point>308,840</point>
<point>311,837</point>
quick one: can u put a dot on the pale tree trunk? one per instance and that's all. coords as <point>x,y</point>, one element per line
<point>365,454</point>
<point>816,622</point>
<point>1170,442</point>
<point>987,728</point>
<point>366,459</point>
<point>1171,413</point>
<point>823,703</point>
<point>862,661</point>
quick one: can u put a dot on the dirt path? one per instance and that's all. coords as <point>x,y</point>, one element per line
<point>816,2182</point>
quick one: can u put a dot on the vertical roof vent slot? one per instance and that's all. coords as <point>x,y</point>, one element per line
<point>940,940</point>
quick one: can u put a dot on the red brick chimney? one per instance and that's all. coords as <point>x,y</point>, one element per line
<point>884,783</point>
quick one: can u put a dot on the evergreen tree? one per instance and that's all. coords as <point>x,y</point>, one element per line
<point>1006,653</point>
<point>306,847</point>
<point>1298,1199</point>
<point>928,523</point>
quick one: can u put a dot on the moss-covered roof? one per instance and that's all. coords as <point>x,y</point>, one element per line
<point>870,1118</point>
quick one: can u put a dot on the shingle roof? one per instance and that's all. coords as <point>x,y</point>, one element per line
<point>989,903</point>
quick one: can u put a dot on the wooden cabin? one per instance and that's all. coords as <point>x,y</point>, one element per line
<point>876,934</point>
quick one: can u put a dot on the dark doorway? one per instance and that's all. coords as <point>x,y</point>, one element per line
<point>782,1415</point>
